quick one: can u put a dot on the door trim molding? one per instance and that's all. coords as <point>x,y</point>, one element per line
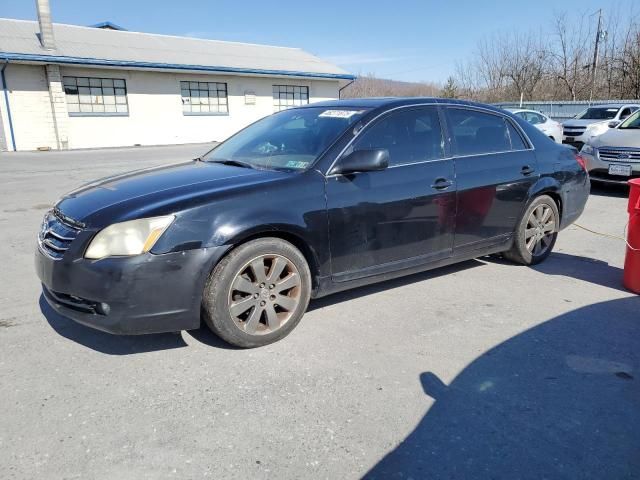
<point>396,265</point>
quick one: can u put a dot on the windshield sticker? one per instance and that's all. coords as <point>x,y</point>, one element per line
<point>296,164</point>
<point>339,113</point>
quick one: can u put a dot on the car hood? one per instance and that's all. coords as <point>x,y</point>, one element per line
<point>155,191</point>
<point>582,123</point>
<point>616,137</point>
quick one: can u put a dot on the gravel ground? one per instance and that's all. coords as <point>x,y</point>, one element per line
<point>479,370</point>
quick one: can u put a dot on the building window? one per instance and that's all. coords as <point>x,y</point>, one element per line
<point>204,98</point>
<point>287,96</point>
<point>95,96</point>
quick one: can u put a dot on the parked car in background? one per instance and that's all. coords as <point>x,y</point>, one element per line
<point>614,156</point>
<point>595,121</point>
<point>304,203</point>
<point>549,127</point>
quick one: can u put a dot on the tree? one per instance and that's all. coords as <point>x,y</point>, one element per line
<point>450,90</point>
<point>571,56</point>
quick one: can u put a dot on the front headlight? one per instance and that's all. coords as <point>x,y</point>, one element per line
<point>588,149</point>
<point>128,238</point>
<point>596,129</point>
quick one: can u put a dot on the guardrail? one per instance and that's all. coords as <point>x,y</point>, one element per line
<point>560,110</point>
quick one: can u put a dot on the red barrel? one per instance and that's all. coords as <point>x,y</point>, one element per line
<point>632,259</point>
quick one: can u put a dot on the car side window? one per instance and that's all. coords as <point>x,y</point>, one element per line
<point>410,135</point>
<point>477,133</point>
<point>625,113</point>
<point>534,118</point>
<point>517,142</point>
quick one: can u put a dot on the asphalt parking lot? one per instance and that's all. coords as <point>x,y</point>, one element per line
<point>480,370</point>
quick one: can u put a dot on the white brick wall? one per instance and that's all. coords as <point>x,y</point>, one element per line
<point>155,108</point>
<point>30,107</point>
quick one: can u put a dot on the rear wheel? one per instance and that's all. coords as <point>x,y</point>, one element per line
<point>536,233</point>
<point>258,293</point>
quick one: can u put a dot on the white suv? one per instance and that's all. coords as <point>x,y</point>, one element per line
<point>614,156</point>
<point>595,121</point>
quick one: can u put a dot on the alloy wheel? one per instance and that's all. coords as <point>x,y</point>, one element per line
<point>264,294</point>
<point>541,227</point>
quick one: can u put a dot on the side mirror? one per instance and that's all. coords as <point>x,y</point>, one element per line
<point>613,124</point>
<point>363,161</point>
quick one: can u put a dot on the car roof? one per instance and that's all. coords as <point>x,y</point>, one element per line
<point>614,105</point>
<point>390,102</point>
<point>519,110</point>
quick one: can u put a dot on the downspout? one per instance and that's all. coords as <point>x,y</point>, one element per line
<point>6,101</point>
<point>340,90</point>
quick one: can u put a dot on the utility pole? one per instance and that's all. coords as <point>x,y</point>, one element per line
<point>596,51</point>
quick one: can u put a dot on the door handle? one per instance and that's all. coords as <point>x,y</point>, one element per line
<point>527,170</point>
<point>442,183</point>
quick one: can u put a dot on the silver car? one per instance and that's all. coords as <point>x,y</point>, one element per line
<point>594,121</point>
<point>614,156</point>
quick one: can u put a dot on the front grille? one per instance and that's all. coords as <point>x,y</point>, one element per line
<point>56,235</point>
<point>578,145</point>
<point>574,131</point>
<point>618,154</point>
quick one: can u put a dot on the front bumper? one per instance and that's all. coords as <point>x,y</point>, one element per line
<point>599,169</point>
<point>129,295</point>
<point>574,140</point>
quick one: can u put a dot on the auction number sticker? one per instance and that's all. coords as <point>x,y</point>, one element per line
<point>297,164</point>
<point>339,113</point>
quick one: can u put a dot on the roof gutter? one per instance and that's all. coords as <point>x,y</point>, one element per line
<point>6,100</point>
<point>61,59</point>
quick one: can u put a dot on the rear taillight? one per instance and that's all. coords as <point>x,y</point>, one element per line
<point>581,161</point>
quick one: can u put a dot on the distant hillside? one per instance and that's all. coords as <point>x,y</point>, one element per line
<point>370,86</point>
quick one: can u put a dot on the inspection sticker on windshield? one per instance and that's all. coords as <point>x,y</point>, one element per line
<point>339,113</point>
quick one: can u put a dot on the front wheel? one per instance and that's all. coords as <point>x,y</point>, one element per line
<point>536,232</point>
<point>258,293</point>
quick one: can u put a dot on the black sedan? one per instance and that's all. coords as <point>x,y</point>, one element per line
<point>302,204</point>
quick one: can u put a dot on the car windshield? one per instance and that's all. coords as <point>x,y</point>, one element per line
<point>288,140</point>
<point>631,123</point>
<point>598,113</point>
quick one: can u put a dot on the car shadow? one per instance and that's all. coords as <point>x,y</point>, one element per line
<point>609,190</point>
<point>106,342</point>
<point>390,284</point>
<point>124,344</point>
<point>132,344</point>
<point>557,401</point>
<point>585,269</point>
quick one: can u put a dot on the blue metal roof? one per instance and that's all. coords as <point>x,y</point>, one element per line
<point>110,25</point>
<point>168,66</point>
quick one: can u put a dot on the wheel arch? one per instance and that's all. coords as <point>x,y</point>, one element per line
<point>546,186</point>
<point>288,235</point>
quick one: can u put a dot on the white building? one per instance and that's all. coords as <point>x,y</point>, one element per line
<point>67,86</point>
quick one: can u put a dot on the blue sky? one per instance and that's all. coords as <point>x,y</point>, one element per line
<point>400,39</point>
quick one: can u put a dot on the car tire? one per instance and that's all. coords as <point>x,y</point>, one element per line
<point>258,293</point>
<point>536,232</point>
